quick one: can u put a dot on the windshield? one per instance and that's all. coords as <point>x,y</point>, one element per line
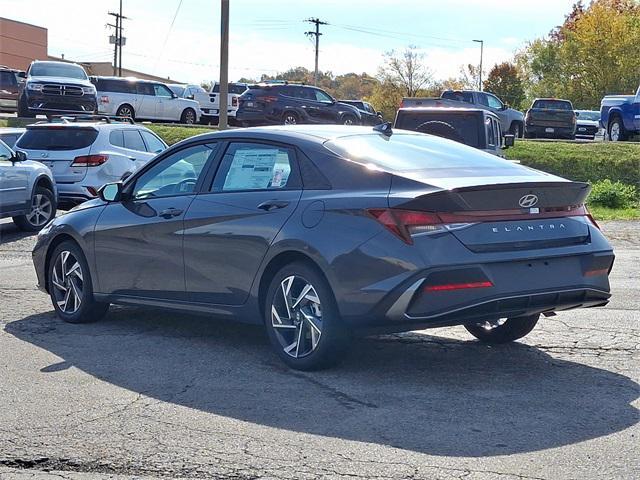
<point>588,115</point>
<point>552,105</point>
<point>57,70</point>
<point>466,126</point>
<point>404,152</point>
<point>178,90</point>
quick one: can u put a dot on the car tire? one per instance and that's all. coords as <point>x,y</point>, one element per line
<point>616,131</point>
<point>307,331</point>
<point>23,110</point>
<point>516,129</point>
<point>126,110</point>
<point>43,210</point>
<point>189,116</point>
<point>349,120</point>
<point>290,118</point>
<point>503,331</point>
<point>70,286</point>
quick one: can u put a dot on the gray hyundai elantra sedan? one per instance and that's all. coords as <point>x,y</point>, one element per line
<point>322,232</point>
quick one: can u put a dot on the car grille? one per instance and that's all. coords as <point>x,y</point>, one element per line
<point>66,90</point>
<point>587,130</point>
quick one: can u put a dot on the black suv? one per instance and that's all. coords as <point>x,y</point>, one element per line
<point>56,88</point>
<point>369,114</point>
<point>267,104</point>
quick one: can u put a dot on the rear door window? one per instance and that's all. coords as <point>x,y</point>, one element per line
<point>145,89</point>
<point>133,140</point>
<point>116,138</point>
<point>255,166</point>
<point>56,138</point>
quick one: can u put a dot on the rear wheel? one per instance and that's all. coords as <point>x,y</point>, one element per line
<point>70,286</point>
<point>290,118</point>
<point>503,330</point>
<point>348,120</point>
<point>516,129</point>
<point>43,209</point>
<point>302,319</point>
<point>125,111</point>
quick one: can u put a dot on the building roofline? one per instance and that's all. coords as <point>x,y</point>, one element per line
<point>23,23</point>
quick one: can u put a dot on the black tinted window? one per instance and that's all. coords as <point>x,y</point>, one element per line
<point>133,140</point>
<point>145,89</point>
<point>7,79</point>
<point>57,138</point>
<point>116,139</point>
<point>466,126</point>
<point>115,86</point>
<point>459,96</point>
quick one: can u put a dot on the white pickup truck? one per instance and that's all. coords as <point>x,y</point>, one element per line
<point>235,90</point>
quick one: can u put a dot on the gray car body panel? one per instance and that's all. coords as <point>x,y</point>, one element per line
<point>368,268</point>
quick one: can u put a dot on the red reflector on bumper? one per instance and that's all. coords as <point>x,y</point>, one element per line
<point>595,273</point>
<point>457,286</point>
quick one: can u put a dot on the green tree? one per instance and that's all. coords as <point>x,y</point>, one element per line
<point>503,81</point>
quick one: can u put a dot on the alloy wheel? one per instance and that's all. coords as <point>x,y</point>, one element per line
<point>348,121</point>
<point>189,117</point>
<point>492,324</point>
<point>296,316</point>
<point>125,112</point>
<point>67,281</point>
<point>614,134</point>
<point>290,119</point>
<point>41,210</point>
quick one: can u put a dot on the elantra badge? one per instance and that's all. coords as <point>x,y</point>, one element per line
<point>528,201</point>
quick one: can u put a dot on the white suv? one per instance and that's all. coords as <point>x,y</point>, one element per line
<point>200,95</point>
<point>85,153</point>
<point>143,100</point>
<point>27,190</point>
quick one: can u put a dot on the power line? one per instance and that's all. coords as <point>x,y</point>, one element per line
<point>315,34</point>
<point>166,38</point>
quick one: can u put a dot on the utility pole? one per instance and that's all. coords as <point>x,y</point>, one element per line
<point>224,63</point>
<point>316,34</point>
<point>481,42</point>
<point>117,40</point>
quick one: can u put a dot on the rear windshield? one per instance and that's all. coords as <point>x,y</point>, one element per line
<point>7,79</point>
<point>406,152</point>
<point>57,138</point>
<point>57,70</point>
<point>467,125</point>
<point>552,105</point>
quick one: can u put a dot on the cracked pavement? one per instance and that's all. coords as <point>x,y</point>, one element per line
<point>155,395</point>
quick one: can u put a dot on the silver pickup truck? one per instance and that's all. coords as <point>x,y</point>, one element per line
<point>511,120</point>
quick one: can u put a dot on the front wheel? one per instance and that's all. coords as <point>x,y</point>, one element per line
<point>616,131</point>
<point>43,209</point>
<point>348,120</point>
<point>188,117</point>
<point>302,319</point>
<point>516,130</point>
<point>503,330</point>
<point>70,286</point>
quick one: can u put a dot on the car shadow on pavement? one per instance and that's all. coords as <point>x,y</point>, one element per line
<point>417,392</point>
<point>9,233</point>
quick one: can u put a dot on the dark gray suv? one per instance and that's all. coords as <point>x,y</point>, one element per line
<point>320,232</point>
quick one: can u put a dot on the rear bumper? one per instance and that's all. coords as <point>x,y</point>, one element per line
<point>73,193</point>
<point>513,289</point>
<point>541,131</point>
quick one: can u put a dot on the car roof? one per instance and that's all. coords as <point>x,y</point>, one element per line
<point>447,110</point>
<point>95,124</point>
<point>126,79</point>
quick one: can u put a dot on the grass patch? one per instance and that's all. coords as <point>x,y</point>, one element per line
<point>175,134</point>
<point>603,213</point>
<point>585,162</point>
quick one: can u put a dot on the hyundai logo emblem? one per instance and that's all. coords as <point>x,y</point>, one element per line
<point>528,201</point>
<point>44,154</point>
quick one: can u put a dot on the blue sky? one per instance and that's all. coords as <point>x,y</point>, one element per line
<point>268,36</point>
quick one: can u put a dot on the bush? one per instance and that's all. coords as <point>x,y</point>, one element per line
<point>583,162</point>
<point>613,194</point>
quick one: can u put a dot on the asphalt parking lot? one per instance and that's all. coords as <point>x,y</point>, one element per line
<point>145,394</point>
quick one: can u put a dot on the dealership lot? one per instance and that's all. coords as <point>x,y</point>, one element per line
<point>146,393</point>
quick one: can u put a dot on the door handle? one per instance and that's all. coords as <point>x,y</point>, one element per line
<point>272,205</point>
<point>170,212</point>
<point>133,159</point>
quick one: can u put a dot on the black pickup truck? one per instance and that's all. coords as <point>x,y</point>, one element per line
<point>551,118</point>
<point>56,88</point>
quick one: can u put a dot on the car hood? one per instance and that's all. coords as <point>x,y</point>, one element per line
<point>515,113</point>
<point>65,80</point>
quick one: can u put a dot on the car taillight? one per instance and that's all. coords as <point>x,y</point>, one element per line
<point>234,101</point>
<point>267,98</point>
<point>405,223</point>
<point>104,99</point>
<point>89,160</point>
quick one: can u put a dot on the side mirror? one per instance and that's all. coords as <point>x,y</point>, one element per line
<point>379,114</point>
<point>509,140</point>
<point>111,192</point>
<point>19,156</point>
<point>22,74</point>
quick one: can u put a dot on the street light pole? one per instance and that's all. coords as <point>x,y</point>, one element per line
<point>481,42</point>
<point>224,64</point>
